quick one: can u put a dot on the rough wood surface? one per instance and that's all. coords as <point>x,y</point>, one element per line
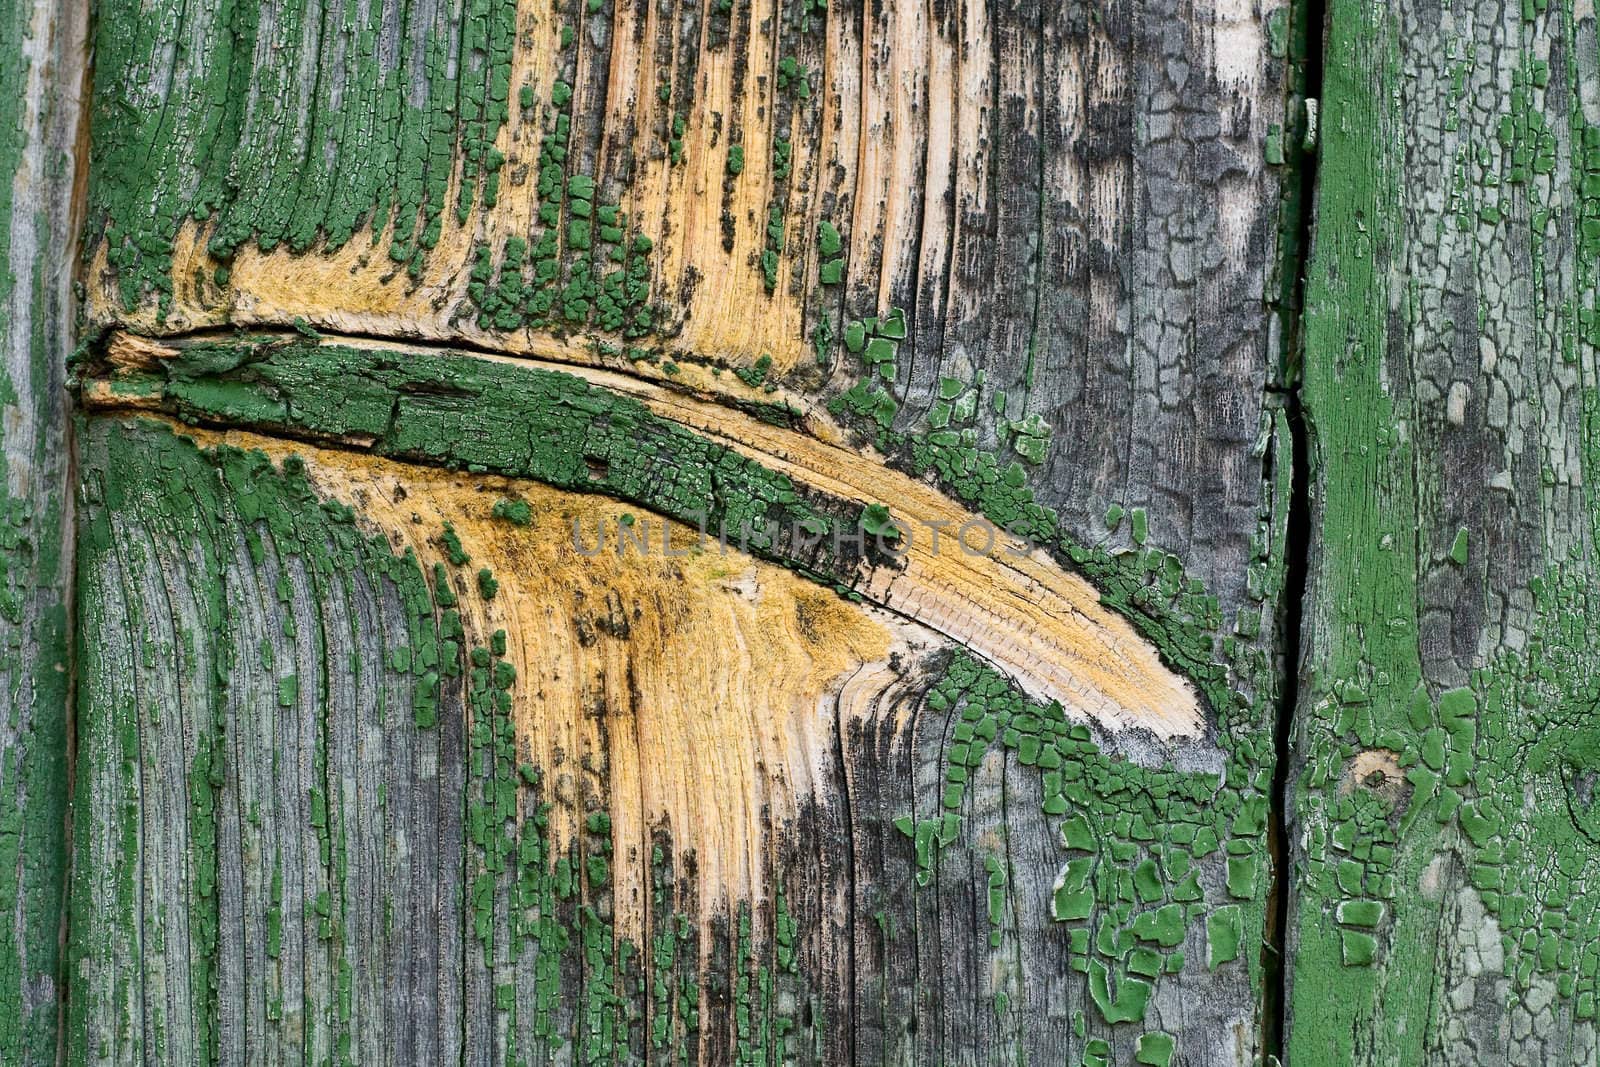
<point>42,55</point>
<point>373,763</point>
<point>685,701</point>
<point>622,737</point>
<point>1445,828</point>
<point>875,263</point>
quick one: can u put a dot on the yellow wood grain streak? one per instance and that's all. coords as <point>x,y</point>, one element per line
<point>1009,602</point>
<point>1006,601</point>
<point>700,693</point>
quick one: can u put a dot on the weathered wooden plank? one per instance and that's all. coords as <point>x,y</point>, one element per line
<point>1076,214</point>
<point>780,494</point>
<point>1444,827</point>
<point>42,54</point>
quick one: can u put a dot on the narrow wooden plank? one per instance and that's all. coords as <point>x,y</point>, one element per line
<point>43,49</point>
<point>1444,828</point>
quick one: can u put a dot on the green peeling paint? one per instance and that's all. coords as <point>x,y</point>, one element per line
<point>1411,770</point>
<point>240,140</point>
<point>453,412</point>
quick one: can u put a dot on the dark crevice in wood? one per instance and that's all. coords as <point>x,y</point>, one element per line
<point>1297,543</point>
<point>1300,187</point>
<point>79,265</point>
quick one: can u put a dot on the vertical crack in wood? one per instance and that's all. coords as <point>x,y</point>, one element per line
<point>78,65</point>
<point>45,74</point>
<point>1296,564</point>
<point>1298,225</point>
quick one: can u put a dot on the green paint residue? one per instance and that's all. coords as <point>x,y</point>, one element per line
<point>581,266</point>
<point>1130,890</point>
<point>515,511</point>
<point>571,434</point>
<point>1136,838</point>
<point>241,141</point>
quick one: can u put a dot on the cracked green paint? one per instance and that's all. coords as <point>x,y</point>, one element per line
<point>1134,909</point>
<point>452,412</point>
<point>581,266</point>
<point>199,147</point>
<point>1484,778</point>
<point>1134,839</point>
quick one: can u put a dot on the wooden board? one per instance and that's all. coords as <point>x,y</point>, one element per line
<point>389,312</point>
<point>712,762</point>
<point>993,266</point>
<point>42,62</point>
<point>1443,822</point>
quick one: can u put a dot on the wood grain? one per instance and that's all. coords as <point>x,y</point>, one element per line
<point>1099,244</point>
<point>953,571</point>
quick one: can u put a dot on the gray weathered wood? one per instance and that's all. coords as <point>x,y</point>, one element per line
<point>43,48</point>
<point>1442,811</point>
